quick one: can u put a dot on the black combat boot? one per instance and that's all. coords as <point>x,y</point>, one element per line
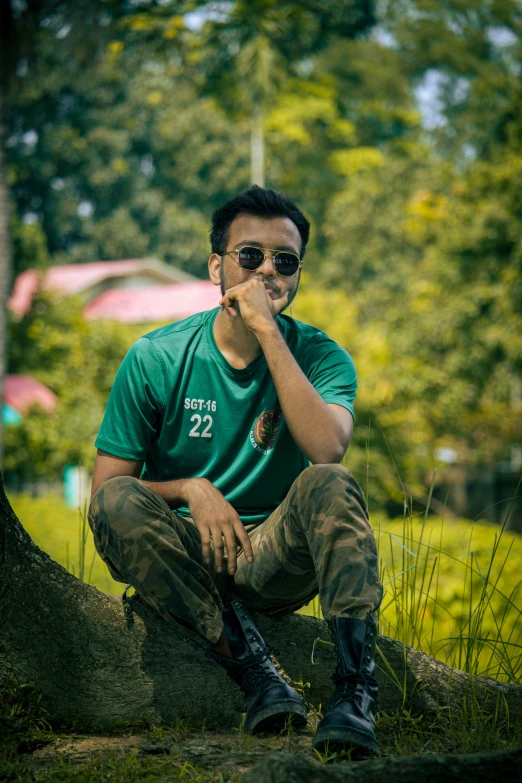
<point>269,700</point>
<point>348,721</point>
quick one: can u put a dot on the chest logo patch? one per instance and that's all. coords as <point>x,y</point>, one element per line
<point>265,429</point>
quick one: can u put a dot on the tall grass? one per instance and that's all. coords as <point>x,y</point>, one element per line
<point>83,549</point>
<point>83,536</point>
<point>483,622</point>
<point>453,590</point>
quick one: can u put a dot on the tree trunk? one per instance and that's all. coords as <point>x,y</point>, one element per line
<point>257,149</point>
<point>75,645</point>
<point>478,767</point>
<point>5,273</point>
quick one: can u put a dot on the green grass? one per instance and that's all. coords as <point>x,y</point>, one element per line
<point>453,590</point>
<point>115,767</point>
<point>29,725</point>
<point>64,533</point>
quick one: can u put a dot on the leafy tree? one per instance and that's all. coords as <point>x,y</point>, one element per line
<point>83,29</point>
<point>77,359</point>
<point>471,54</point>
<point>122,168</point>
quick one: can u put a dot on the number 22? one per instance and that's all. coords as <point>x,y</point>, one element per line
<point>194,431</point>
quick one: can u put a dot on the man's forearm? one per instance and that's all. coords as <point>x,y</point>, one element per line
<point>313,425</point>
<point>174,493</point>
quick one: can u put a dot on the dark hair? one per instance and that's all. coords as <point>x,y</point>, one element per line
<point>263,202</point>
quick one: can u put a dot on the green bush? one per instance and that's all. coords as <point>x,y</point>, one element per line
<point>76,359</point>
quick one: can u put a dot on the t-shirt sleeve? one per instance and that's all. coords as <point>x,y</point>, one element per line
<point>135,404</point>
<point>331,371</point>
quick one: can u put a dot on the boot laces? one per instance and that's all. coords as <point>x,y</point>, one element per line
<point>256,669</point>
<point>346,685</point>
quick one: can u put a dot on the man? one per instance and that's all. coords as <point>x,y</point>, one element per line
<point>225,411</point>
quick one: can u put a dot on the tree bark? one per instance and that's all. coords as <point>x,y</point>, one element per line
<point>478,767</point>
<point>5,272</point>
<point>74,644</point>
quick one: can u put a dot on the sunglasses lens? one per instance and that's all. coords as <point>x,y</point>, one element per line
<point>286,263</point>
<point>251,257</point>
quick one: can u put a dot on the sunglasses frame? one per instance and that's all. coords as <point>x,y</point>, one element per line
<point>274,254</point>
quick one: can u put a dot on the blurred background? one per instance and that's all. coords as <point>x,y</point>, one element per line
<point>396,127</point>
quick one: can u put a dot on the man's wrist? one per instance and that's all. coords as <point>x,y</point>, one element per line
<point>266,330</point>
<point>189,487</point>
<point>176,492</point>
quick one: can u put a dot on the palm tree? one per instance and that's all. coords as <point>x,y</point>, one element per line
<point>252,50</point>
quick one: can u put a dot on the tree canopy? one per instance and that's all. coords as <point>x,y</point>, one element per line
<point>397,129</point>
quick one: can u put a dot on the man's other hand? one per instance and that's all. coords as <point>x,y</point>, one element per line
<point>215,518</point>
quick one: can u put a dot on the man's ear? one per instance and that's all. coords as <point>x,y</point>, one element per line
<point>214,266</point>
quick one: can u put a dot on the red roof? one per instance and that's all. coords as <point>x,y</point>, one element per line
<point>74,278</point>
<point>24,392</point>
<point>154,303</point>
<point>69,279</point>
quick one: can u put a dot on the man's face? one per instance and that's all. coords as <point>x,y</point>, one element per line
<point>278,233</point>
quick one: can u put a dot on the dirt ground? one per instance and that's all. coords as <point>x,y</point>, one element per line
<point>229,752</point>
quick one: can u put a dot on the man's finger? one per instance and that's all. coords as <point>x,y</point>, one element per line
<point>205,545</point>
<point>244,539</point>
<point>230,310</point>
<point>231,543</point>
<point>217,538</point>
<point>282,302</point>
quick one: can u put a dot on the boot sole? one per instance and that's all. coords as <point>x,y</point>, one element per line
<point>274,718</point>
<point>344,739</point>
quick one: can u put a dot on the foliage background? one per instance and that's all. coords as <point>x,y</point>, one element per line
<point>403,146</point>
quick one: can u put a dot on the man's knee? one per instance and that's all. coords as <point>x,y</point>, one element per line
<point>330,488</point>
<point>111,496</point>
<point>324,470</point>
<point>113,488</point>
<point>323,475</point>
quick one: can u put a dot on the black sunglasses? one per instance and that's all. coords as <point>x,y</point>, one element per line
<point>251,258</point>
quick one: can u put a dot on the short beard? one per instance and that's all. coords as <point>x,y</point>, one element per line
<point>223,286</point>
<point>222,278</point>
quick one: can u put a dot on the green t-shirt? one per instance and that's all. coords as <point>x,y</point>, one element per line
<point>179,406</point>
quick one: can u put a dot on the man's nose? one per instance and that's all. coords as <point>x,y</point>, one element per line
<point>267,267</point>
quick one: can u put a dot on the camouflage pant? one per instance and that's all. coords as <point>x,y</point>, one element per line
<point>318,540</point>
